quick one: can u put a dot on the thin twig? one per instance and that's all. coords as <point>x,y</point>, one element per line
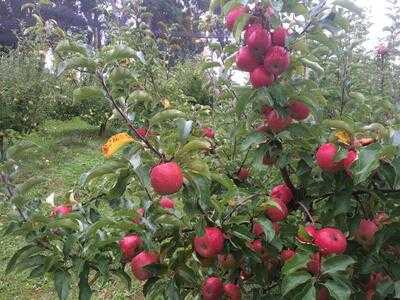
<point>306,211</point>
<point>127,120</point>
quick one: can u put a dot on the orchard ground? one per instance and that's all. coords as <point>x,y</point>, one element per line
<point>64,151</point>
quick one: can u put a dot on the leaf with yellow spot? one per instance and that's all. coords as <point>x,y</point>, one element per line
<point>343,137</point>
<point>115,143</point>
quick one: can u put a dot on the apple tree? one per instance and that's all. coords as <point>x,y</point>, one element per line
<point>262,197</point>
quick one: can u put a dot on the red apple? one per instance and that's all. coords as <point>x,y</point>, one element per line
<point>325,158</point>
<point>232,291</point>
<point>61,210</point>
<point>279,213</point>
<point>259,40</point>
<point>259,77</point>
<point>276,122</point>
<point>369,295</point>
<point>211,243</point>
<point>282,192</point>
<point>208,132</point>
<point>258,230</point>
<point>233,15</point>
<point>245,60</point>
<point>287,254</point>
<point>366,231</point>
<point>144,132</point>
<point>265,110</point>
<point>257,246</point>
<point>130,245</point>
<point>323,293</point>
<point>227,261</point>
<point>279,36</point>
<point>167,203</point>
<point>166,178</point>
<point>212,288</point>
<point>277,60</point>
<point>243,173</point>
<point>268,160</point>
<point>374,279</point>
<point>314,264</point>
<point>298,110</point>
<point>348,161</point>
<point>140,261</point>
<point>250,29</point>
<point>307,233</point>
<point>331,240</point>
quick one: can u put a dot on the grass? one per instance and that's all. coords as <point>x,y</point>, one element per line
<point>64,151</point>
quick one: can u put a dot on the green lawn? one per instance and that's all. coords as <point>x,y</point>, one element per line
<point>64,151</point>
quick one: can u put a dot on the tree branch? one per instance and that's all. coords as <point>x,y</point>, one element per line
<point>127,120</point>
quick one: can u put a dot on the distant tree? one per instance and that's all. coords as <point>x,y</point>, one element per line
<point>73,16</point>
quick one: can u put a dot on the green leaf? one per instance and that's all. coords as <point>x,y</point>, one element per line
<point>184,129</point>
<point>254,137</point>
<point>367,162</point>
<point>349,5</point>
<point>61,284</point>
<point>87,93</point>
<point>120,273</point>
<point>194,145</point>
<point>108,168</point>
<point>210,65</point>
<point>339,124</point>
<point>78,62</point>
<point>338,290</point>
<point>213,5</point>
<point>85,292</point>
<point>63,223</point>
<point>67,46</point>
<point>312,65</point>
<point>229,6</point>
<point>119,52</point>
<point>397,289</point>
<point>297,262</point>
<point>293,280</point>
<point>13,260</point>
<point>244,97</point>
<point>240,23</point>
<point>172,291</point>
<point>226,182</point>
<point>267,227</point>
<point>164,115</point>
<point>308,292</point>
<point>336,263</point>
<point>241,236</point>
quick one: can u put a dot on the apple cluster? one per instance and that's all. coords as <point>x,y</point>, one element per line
<point>263,54</point>
<point>325,157</point>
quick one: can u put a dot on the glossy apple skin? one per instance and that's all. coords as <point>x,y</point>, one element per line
<point>166,178</point>
<point>211,243</point>
<point>140,261</point>
<point>212,288</point>
<point>331,241</point>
